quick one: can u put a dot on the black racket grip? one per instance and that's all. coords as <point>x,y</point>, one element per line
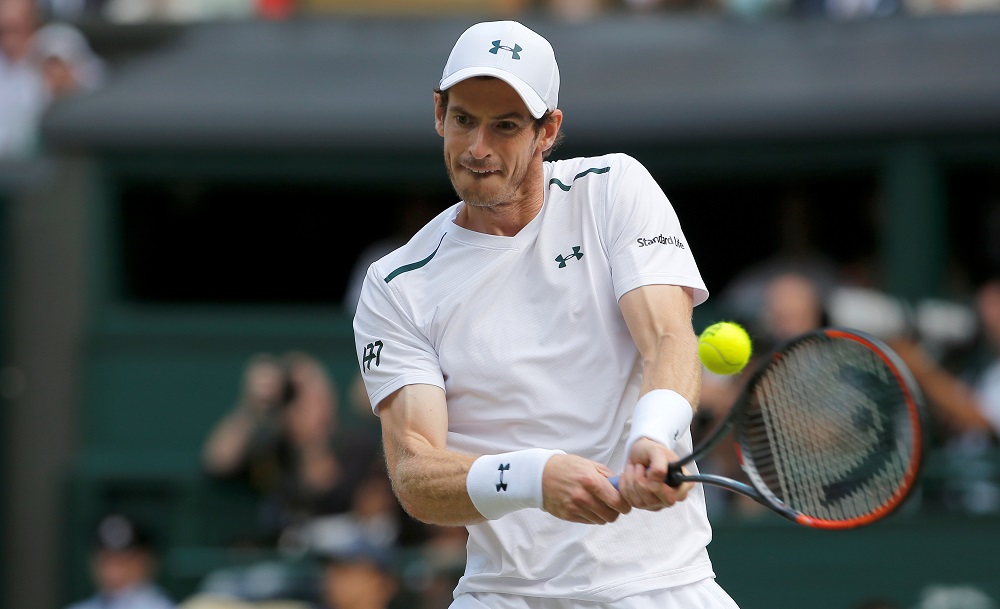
<point>674,473</point>
<point>673,476</point>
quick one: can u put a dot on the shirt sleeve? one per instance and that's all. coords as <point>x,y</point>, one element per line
<point>392,351</point>
<point>644,238</point>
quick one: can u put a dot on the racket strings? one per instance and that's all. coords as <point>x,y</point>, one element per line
<point>826,431</point>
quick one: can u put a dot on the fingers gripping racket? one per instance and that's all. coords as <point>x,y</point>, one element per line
<point>828,431</point>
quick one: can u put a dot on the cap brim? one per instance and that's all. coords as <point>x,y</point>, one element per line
<point>531,99</point>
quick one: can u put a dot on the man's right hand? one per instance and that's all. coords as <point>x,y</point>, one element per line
<point>643,483</point>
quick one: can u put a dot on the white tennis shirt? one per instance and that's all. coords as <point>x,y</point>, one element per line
<point>525,336</point>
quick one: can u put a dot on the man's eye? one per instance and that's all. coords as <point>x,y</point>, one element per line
<point>507,126</point>
<point>462,120</point>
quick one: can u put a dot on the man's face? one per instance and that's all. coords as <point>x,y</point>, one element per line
<point>357,584</point>
<point>490,143</point>
<point>792,306</point>
<point>116,570</point>
<point>17,24</point>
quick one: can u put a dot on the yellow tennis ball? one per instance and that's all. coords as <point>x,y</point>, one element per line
<point>724,347</point>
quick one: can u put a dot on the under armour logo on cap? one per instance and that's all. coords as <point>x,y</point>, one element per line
<point>511,52</point>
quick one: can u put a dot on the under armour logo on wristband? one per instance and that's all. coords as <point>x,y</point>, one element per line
<point>502,486</point>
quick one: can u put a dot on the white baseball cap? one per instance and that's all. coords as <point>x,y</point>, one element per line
<point>511,52</point>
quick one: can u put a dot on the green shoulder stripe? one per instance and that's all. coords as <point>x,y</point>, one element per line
<point>413,265</point>
<point>578,176</point>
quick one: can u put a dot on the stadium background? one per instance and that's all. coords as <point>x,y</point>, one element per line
<point>210,202</point>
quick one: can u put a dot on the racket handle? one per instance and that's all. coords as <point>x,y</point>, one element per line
<point>672,472</point>
<point>673,475</point>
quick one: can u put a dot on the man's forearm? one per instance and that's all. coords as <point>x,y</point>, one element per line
<point>431,486</point>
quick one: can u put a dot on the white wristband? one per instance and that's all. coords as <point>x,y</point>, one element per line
<point>662,415</point>
<point>504,483</point>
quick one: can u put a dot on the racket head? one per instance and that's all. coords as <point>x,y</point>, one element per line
<point>830,429</point>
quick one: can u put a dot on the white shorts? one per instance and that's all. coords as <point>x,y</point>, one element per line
<point>705,594</point>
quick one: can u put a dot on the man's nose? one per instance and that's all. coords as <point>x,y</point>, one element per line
<point>479,147</point>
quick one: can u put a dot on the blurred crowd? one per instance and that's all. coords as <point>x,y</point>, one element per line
<point>41,61</point>
<point>133,11</point>
<point>324,497</point>
<point>328,531</point>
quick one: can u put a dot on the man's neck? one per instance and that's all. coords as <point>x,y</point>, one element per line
<point>505,220</point>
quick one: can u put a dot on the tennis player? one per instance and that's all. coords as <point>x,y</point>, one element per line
<point>534,340</point>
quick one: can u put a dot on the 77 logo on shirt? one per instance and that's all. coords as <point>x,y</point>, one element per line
<point>373,352</point>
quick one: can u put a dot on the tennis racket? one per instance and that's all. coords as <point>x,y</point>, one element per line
<point>828,430</point>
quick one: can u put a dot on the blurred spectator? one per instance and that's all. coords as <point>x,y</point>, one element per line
<point>265,389</point>
<point>22,90</point>
<point>743,297</point>
<point>374,519</point>
<point>964,402</point>
<point>358,577</point>
<point>284,439</point>
<point>67,62</point>
<point>38,65</point>
<point>986,375</point>
<point>793,305</point>
<point>123,566</point>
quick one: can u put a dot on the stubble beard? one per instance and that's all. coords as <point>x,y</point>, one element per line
<point>492,199</point>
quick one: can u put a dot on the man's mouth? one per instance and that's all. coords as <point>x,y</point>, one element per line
<point>480,171</point>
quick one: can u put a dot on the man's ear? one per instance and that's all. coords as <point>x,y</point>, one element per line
<point>439,113</point>
<point>551,130</point>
